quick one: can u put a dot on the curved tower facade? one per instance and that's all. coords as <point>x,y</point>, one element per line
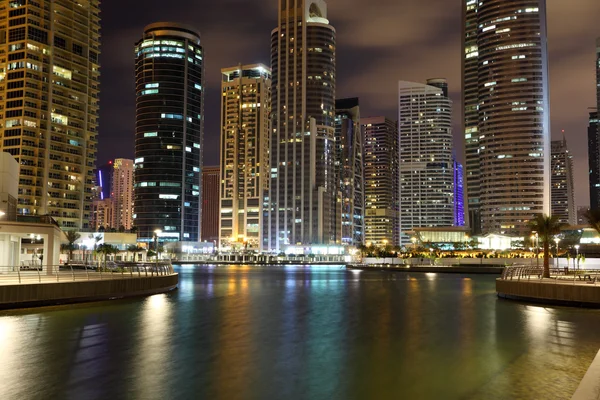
<point>302,188</point>
<point>512,161</point>
<point>169,132</point>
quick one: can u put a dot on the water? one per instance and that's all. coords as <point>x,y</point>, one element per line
<point>300,333</point>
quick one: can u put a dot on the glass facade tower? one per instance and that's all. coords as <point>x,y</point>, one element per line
<point>349,173</point>
<point>302,187</point>
<point>169,132</point>
<point>563,190</point>
<point>49,87</point>
<point>506,113</point>
<point>381,182</point>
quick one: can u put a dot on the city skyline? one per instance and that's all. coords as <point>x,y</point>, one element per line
<point>572,35</point>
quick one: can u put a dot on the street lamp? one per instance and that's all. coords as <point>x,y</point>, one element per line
<point>556,240</point>
<point>2,214</point>
<point>156,233</point>
<point>577,254</point>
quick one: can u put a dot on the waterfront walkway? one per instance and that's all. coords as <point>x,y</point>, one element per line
<point>26,288</point>
<point>564,287</point>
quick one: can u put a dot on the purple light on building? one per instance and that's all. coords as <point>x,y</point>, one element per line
<point>459,195</point>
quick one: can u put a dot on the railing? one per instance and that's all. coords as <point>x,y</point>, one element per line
<point>81,272</point>
<point>557,275</point>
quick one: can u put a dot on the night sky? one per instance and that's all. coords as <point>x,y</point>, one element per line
<point>379,43</point>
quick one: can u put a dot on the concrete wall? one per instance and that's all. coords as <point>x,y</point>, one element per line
<point>15,296</point>
<point>576,294</point>
<point>589,388</point>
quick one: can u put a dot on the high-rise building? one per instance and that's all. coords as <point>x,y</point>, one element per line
<point>381,181</point>
<point>594,141</point>
<point>211,179</point>
<point>245,101</point>
<point>349,173</point>
<point>103,211</point>
<point>506,113</point>
<point>563,190</point>
<point>122,194</point>
<point>104,179</point>
<point>594,159</point>
<point>49,85</point>
<point>426,157</point>
<point>581,215</point>
<point>169,132</point>
<point>459,195</point>
<point>302,187</point>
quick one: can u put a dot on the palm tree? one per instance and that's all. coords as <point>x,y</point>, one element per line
<point>593,218</point>
<point>135,249</point>
<point>72,237</point>
<point>546,227</point>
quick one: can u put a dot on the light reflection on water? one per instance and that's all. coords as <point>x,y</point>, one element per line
<point>299,332</point>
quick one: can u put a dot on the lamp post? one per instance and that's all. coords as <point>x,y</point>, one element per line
<point>535,237</point>
<point>156,233</point>
<point>556,240</point>
<point>577,255</point>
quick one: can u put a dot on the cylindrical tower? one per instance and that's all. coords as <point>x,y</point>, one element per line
<point>169,132</point>
<point>303,113</point>
<point>514,132</point>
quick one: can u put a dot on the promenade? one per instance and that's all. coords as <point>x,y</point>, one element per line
<point>580,288</point>
<point>27,288</point>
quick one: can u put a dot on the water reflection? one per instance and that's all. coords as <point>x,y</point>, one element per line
<point>153,348</point>
<point>298,332</point>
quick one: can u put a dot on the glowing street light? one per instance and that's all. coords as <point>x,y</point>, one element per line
<point>577,254</point>
<point>2,214</point>
<point>535,240</point>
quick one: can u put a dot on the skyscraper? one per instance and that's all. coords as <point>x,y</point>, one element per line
<point>426,160</point>
<point>211,178</point>
<point>459,195</point>
<point>381,181</point>
<point>302,187</point>
<point>122,194</point>
<point>169,132</point>
<point>349,173</point>
<point>506,113</point>
<point>594,159</point>
<point>563,190</point>
<point>245,101</point>
<point>49,85</point>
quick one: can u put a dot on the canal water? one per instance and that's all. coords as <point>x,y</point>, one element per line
<point>300,333</point>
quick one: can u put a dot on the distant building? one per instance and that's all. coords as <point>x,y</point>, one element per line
<point>349,174</point>
<point>122,194</point>
<point>594,159</point>
<point>506,114</point>
<point>9,187</point>
<point>104,179</point>
<point>459,195</point>
<point>211,178</point>
<point>563,191</point>
<point>103,212</point>
<point>245,103</point>
<point>169,71</point>
<point>426,157</point>
<point>381,181</point>
<point>49,91</point>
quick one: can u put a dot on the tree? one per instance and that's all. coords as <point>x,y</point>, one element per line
<point>122,229</point>
<point>72,237</point>
<point>101,229</point>
<point>135,249</point>
<point>546,227</point>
